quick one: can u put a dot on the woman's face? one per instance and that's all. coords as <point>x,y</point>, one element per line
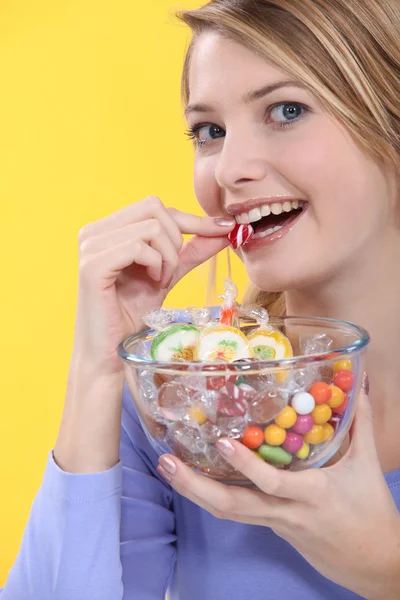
<point>265,150</point>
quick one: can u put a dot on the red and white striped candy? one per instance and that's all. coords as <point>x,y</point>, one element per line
<point>233,401</point>
<point>240,235</point>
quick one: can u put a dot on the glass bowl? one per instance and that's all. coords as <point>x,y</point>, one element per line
<point>294,413</point>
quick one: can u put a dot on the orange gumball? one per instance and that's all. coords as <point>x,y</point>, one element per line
<point>253,437</point>
<point>337,397</point>
<point>321,392</point>
<point>274,435</point>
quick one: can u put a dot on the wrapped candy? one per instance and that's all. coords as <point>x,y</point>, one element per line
<point>174,341</point>
<point>267,342</point>
<point>222,343</point>
<point>229,312</point>
<point>240,235</point>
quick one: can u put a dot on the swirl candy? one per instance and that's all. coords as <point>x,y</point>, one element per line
<point>267,342</point>
<point>222,343</point>
<point>173,342</point>
<point>240,235</point>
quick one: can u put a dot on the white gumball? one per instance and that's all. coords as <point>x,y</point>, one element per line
<point>303,403</point>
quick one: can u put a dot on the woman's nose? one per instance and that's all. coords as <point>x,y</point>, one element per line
<point>241,161</point>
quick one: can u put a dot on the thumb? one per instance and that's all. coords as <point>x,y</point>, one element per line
<point>362,437</point>
<point>196,251</point>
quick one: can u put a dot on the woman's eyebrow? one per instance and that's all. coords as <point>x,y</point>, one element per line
<point>249,97</point>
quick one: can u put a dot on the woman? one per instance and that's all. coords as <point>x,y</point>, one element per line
<point>286,101</point>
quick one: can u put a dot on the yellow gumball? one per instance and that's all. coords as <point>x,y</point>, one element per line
<point>329,432</point>
<point>315,435</point>
<point>342,365</point>
<point>337,397</point>
<point>304,451</point>
<point>321,414</point>
<point>274,435</point>
<point>286,418</point>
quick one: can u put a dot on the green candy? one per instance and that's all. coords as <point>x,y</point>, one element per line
<point>275,454</point>
<point>162,341</point>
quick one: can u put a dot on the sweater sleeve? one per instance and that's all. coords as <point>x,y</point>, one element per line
<point>108,536</point>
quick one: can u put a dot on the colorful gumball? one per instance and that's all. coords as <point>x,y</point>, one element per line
<point>304,451</point>
<point>337,397</point>
<point>328,431</point>
<point>321,392</point>
<point>303,403</point>
<point>286,418</point>
<point>253,437</point>
<point>275,455</point>
<point>292,443</point>
<point>321,414</point>
<point>343,407</point>
<point>274,435</point>
<point>344,380</point>
<point>342,365</point>
<point>315,435</point>
<point>304,423</point>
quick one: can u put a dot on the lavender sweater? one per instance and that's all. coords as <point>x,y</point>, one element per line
<point>126,535</point>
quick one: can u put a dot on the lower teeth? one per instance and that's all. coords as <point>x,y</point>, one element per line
<point>268,231</point>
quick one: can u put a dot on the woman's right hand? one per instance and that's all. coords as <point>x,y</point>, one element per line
<point>129,261</point>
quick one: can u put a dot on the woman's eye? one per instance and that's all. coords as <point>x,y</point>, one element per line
<point>286,113</point>
<point>205,132</point>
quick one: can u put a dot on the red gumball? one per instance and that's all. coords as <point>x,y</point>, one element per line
<point>344,380</point>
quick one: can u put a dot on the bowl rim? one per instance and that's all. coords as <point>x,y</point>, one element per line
<point>213,368</point>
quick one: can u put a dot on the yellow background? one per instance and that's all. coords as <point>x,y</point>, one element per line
<point>90,121</point>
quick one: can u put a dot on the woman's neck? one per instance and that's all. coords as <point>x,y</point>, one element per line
<point>368,294</point>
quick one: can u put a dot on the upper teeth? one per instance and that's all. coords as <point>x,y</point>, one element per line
<point>255,214</point>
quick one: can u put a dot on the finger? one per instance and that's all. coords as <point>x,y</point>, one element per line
<point>105,266</point>
<point>149,208</point>
<point>150,231</point>
<point>223,501</point>
<point>362,437</point>
<point>269,479</point>
<point>204,226</point>
<point>197,251</point>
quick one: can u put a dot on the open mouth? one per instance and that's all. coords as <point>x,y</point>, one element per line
<point>269,218</point>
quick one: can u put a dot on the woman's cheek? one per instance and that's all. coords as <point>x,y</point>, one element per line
<point>207,191</point>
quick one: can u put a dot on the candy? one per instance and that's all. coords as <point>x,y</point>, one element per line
<point>274,435</point>
<point>233,400</point>
<point>321,414</point>
<point>303,403</point>
<point>303,424</point>
<point>304,451</point>
<point>337,397</point>
<point>293,442</point>
<point>344,365</point>
<point>275,455</point>
<point>265,406</point>
<point>172,401</point>
<point>286,418</point>
<point>253,437</point>
<point>270,344</point>
<point>177,342</point>
<point>329,432</point>
<point>222,342</point>
<point>229,311</point>
<point>341,409</point>
<point>344,380</point>
<point>240,235</point>
<point>315,435</point>
<point>196,414</point>
<point>321,392</point>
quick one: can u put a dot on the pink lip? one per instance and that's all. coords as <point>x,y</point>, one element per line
<point>241,207</point>
<point>255,243</point>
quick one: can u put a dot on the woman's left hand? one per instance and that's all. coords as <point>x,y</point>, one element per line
<point>342,518</point>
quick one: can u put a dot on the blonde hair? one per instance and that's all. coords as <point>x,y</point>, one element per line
<point>347,52</point>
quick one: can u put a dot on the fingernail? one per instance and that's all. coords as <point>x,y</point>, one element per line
<point>225,447</point>
<point>365,384</point>
<point>224,222</point>
<point>167,464</point>
<point>164,474</point>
